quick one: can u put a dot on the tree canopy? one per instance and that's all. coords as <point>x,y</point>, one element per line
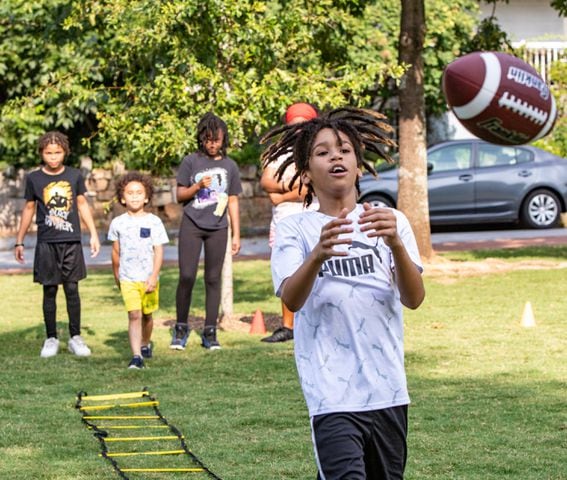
<point>129,79</point>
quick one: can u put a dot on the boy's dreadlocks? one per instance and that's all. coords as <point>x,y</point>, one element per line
<point>207,129</point>
<point>366,130</point>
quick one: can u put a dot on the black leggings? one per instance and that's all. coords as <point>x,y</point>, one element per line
<point>191,240</point>
<point>71,290</point>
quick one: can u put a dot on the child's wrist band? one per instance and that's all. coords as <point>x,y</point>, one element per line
<point>18,245</point>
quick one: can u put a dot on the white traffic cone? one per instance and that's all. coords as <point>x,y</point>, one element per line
<point>528,320</point>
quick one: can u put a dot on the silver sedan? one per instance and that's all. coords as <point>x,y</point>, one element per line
<point>471,181</point>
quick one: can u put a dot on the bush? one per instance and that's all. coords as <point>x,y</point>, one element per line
<point>556,141</point>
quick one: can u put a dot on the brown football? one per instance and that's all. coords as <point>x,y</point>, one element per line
<point>499,98</point>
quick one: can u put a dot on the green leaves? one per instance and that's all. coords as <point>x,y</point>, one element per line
<point>129,79</point>
<point>556,141</point>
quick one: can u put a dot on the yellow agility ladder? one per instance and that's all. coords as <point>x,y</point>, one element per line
<point>112,424</point>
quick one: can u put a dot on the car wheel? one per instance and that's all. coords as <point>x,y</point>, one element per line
<point>541,209</point>
<point>377,201</point>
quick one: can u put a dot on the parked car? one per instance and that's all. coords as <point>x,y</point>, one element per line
<point>471,181</point>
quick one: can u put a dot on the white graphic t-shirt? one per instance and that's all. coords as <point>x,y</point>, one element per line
<point>137,236</point>
<point>349,333</point>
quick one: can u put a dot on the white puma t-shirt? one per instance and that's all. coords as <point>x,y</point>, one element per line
<point>349,333</point>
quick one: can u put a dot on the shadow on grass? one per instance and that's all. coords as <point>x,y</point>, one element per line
<point>244,291</point>
<point>101,283</point>
<point>20,343</point>
<point>513,253</point>
<point>252,293</point>
<point>482,427</point>
<point>119,342</point>
<point>505,425</point>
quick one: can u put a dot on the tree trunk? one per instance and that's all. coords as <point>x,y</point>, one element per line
<point>412,192</point>
<point>227,304</point>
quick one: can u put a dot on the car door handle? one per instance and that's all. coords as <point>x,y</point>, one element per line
<point>466,177</point>
<point>524,173</point>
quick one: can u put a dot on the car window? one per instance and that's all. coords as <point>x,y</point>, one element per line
<point>523,155</point>
<point>496,155</point>
<point>383,166</point>
<point>453,157</point>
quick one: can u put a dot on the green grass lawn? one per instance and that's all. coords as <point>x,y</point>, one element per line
<point>488,396</point>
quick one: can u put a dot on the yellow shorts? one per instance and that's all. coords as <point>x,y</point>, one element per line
<point>136,298</point>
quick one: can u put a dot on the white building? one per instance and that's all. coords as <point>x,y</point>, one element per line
<point>536,27</point>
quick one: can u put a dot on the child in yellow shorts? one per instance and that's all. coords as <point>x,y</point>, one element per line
<point>137,256</point>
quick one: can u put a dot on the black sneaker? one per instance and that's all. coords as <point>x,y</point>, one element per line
<point>180,336</point>
<point>282,334</point>
<point>147,350</point>
<point>209,339</point>
<point>136,362</point>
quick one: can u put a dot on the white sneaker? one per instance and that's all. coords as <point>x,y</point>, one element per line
<point>50,348</point>
<point>78,346</point>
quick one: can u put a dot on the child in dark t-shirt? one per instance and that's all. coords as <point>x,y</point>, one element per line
<point>208,184</point>
<point>55,193</point>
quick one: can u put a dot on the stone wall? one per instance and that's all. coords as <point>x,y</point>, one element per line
<point>255,207</point>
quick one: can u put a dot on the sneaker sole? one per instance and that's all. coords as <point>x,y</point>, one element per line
<point>176,347</point>
<point>277,339</point>
<point>79,354</point>
<point>41,355</point>
<point>271,340</point>
<point>50,352</point>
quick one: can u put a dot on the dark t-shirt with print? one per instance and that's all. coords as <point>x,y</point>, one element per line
<point>209,206</point>
<point>57,216</point>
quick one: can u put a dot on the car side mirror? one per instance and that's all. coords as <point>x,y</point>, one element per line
<point>429,167</point>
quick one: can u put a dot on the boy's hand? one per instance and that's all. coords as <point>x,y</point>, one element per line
<point>19,253</point>
<point>151,284</point>
<point>330,237</point>
<point>95,246</point>
<point>380,222</point>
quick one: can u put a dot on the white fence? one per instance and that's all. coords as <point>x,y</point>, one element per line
<point>542,54</point>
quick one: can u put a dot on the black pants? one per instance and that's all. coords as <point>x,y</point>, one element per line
<point>361,445</point>
<point>71,290</point>
<point>56,264</point>
<point>191,241</point>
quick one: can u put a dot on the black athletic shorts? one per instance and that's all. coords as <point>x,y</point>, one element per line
<point>361,445</point>
<point>57,263</point>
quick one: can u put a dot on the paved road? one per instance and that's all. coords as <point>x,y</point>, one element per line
<point>257,247</point>
<point>482,239</point>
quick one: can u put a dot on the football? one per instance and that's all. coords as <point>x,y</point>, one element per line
<point>499,98</point>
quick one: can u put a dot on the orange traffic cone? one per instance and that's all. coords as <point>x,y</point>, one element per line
<point>258,326</point>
